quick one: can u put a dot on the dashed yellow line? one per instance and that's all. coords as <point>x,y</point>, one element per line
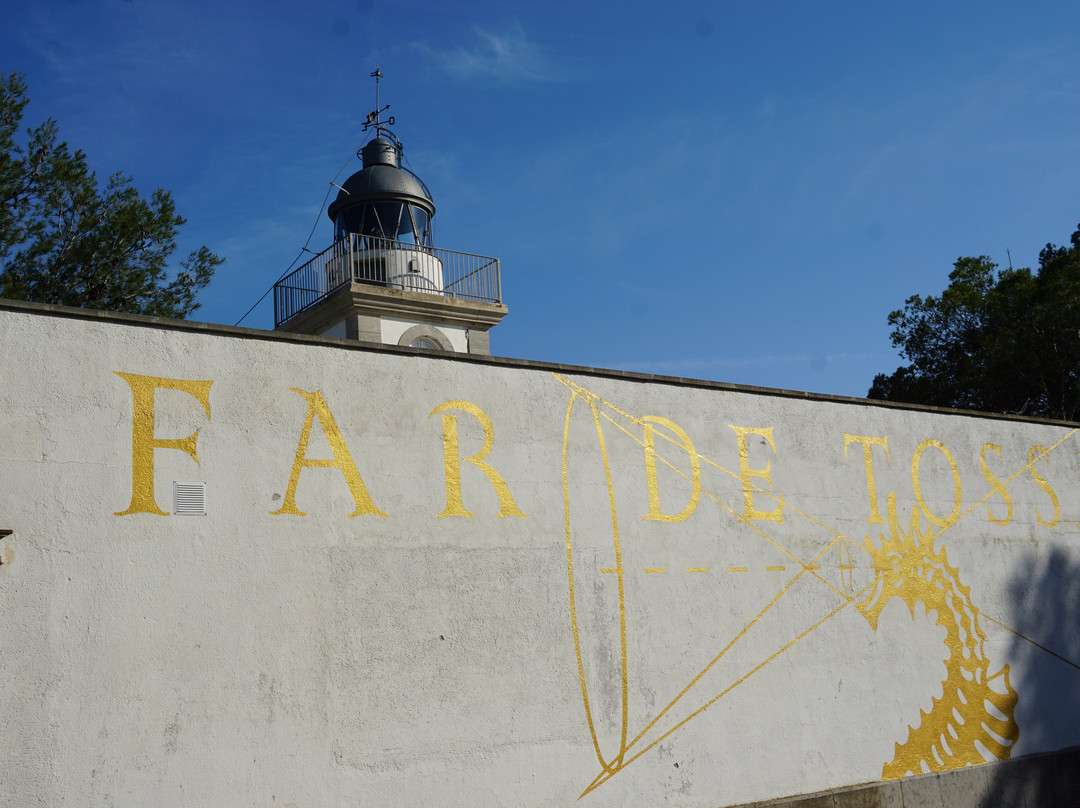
<point>655,570</point>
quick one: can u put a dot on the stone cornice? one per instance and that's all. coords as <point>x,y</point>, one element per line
<point>362,298</point>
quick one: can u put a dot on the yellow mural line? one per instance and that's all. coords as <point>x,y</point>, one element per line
<point>812,567</point>
<point>724,651</point>
<point>918,511</point>
<point>755,528</point>
<point>1029,465</point>
<point>622,596</point>
<point>578,389</point>
<point>717,500</point>
<point>848,579</point>
<point>837,542</point>
<point>840,540</point>
<point>932,537</point>
<point>1038,645</point>
<point>596,782</point>
<point>612,570</point>
<point>573,605</point>
<point>604,778</point>
<point>847,600</point>
<point>776,497</point>
<point>1044,454</point>
<point>848,582</point>
<point>852,543</point>
<point>714,660</point>
<point>805,566</point>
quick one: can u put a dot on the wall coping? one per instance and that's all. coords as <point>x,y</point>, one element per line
<point>241,332</point>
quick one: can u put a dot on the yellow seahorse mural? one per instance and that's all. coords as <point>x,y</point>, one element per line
<point>976,708</point>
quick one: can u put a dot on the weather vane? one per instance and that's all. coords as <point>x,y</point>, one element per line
<point>374,117</point>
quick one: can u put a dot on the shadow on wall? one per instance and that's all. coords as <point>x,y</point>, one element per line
<point>1045,600</point>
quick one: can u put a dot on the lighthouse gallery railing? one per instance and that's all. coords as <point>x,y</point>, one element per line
<point>389,264</point>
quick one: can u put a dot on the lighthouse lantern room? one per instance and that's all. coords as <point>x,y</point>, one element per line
<point>383,280</point>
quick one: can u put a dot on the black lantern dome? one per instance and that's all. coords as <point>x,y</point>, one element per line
<point>383,199</point>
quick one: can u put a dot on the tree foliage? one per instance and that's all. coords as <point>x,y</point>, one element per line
<point>1000,341</point>
<point>64,239</point>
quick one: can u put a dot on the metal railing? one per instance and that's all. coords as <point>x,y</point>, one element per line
<point>390,264</point>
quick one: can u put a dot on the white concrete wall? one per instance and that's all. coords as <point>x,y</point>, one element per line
<point>728,651</point>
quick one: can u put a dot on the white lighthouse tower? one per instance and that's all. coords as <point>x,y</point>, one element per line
<point>383,280</point>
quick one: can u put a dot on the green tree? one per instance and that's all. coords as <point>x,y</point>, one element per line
<point>65,240</point>
<point>1005,341</point>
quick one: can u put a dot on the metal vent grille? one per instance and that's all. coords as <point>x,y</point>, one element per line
<point>189,499</point>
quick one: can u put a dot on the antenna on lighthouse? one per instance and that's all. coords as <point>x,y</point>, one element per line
<point>374,117</point>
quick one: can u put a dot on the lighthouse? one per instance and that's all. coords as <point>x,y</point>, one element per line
<point>382,279</point>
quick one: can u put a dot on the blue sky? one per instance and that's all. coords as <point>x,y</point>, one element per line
<point>734,191</point>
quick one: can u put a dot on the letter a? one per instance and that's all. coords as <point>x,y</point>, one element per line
<point>342,461</point>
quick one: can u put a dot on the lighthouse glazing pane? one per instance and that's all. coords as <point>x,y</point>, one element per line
<point>390,223</point>
<point>421,225</point>
<point>350,220</point>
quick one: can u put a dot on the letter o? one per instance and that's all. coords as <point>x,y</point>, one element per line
<point>957,490</point>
